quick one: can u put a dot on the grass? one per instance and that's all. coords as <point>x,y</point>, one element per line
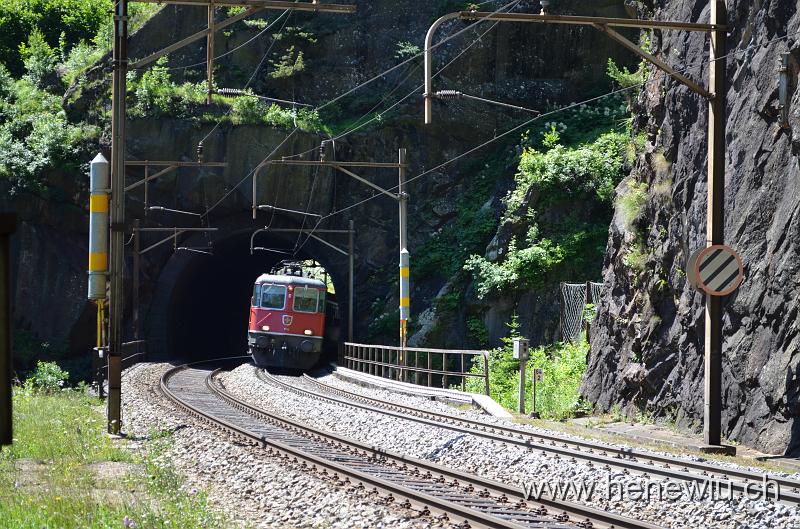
<point>62,471</point>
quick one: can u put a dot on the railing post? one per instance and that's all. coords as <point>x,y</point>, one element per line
<point>486,370</point>
<point>444,368</point>
<point>430,368</point>
<point>463,376</point>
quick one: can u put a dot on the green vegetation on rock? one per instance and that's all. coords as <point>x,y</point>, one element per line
<point>67,21</point>
<point>35,133</point>
<point>571,180</point>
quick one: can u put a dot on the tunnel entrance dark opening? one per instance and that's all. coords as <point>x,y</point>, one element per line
<point>209,303</point>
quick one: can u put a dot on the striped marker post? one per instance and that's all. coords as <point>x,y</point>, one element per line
<point>405,287</point>
<point>718,270</point>
<point>98,227</point>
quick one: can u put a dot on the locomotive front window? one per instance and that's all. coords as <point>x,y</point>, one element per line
<point>321,307</point>
<point>273,296</point>
<point>256,295</point>
<point>305,299</point>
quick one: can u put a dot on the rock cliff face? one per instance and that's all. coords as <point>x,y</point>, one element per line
<point>647,345</point>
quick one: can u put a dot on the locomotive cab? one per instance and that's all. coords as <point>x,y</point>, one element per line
<point>287,321</point>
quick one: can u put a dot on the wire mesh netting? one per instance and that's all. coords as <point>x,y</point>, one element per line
<point>574,297</point>
<point>595,289</point>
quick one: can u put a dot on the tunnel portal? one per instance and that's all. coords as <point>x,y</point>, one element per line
<point>201,304</point>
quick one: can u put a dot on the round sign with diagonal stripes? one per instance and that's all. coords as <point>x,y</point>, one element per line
<point>718,270</point>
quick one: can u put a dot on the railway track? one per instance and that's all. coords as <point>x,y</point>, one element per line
<point>629,460</point>
<point>443,493</point>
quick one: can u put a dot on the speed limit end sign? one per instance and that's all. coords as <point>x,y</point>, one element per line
<point>716,270</point>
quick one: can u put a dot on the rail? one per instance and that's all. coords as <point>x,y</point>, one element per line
<point>400,363</point>
<point>444,494</point>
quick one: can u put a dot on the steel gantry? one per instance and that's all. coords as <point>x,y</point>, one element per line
<point>118,111</point>
<point>402,200</point>
<point>716,96</point>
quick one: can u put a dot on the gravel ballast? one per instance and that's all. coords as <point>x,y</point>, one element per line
<point>252,488</point>
<point>497,460</point>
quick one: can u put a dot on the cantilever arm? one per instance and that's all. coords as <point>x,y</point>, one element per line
<point>655,60</point>
<point>429,63</point>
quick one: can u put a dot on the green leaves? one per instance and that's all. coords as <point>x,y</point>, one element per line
<point>624,77</point>
<point>592,167</point>
<point>38,58</point>
<point>48,377</point>
<point>35,135</point>
<point>557,395</point>
<point>549,186</point>
<point>19,19</point>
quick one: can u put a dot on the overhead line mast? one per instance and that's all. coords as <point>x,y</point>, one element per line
<point>119,90</point>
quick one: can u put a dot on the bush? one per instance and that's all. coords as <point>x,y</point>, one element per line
<point>248,110</point>
<point>624,77</point>
<point>78,60</point>
<point>565,245</point>
<point>48,377</point>
<point>157,95</point>
<point>35,136</point>
<point>406,50</point>
<point>522,268</point>
<point>563,366</point>
<point>289,64</point>
<point>594,167</point>
<point>39,59</point>
<point>76,19</point>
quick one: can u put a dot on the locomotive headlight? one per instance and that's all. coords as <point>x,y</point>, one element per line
<point>265,327</point>
<point>308,332</point>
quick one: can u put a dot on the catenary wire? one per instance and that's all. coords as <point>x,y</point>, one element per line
<point>348,92</point>
<point>436,74</point>
<point>229,52</point>
<point>528,122</point>
<point>483,144</point>
<point>509,6</point>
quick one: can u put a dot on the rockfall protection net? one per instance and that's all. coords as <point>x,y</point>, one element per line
<point>574,297</point>
<point>595,289</point>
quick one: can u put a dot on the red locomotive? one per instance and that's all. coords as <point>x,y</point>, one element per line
<point>287,319</point>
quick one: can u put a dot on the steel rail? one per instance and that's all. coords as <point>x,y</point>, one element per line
<point>503,491</point>
<point>628,459</point>
<point>493,496</point>
<point>425,503</point>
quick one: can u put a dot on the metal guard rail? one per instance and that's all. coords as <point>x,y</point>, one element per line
<point>396,363</point>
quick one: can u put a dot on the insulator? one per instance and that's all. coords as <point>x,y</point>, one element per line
<point>448,95</point>
<point>545,5</point>
<point>229,91</point>
<point>200,152</point>
<point>322,151</point>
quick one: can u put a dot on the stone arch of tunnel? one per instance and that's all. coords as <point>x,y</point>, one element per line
<point>200,306</point>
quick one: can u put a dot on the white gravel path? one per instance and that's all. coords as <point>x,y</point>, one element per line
<point>254,489</point>
<point>498,460</point>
